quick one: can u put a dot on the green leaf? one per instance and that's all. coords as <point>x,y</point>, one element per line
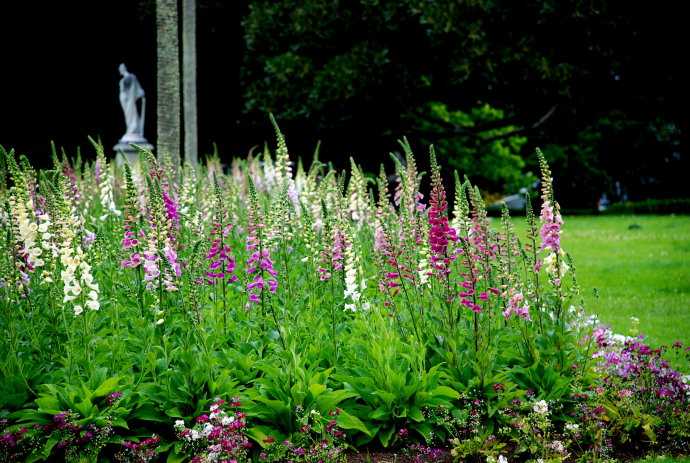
<point>317,389</point>
<point>48,447</point>
<point>120,423</point>
<point>380,413</point>
<point>649,431</point>
<point>150,413</point>
<point>48,404</point>
<point>445,391</point>
<point>106,387</point>
<point>425,429</point>
<point>387,397</point>
<point>85,408</point>
<point>328,400</point>
<point>347,421</point>
<point>260,433</point>
<point>174,457</point>
<point>174,412</point>
<point>415,414</point>
<point>385,436</point>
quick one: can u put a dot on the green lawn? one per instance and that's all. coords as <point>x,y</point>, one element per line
<point>665,460</point>
<point>641,271</point>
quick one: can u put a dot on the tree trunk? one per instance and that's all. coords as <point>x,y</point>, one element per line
<point>189,80</point>
<point>168,78</point>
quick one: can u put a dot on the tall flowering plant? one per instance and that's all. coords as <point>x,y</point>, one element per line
<point>262,275</point>
<point>104,179</point>
<point>26,234</point>
<point>132,232</point>
<point>79,286</point>
<point>551,223</point>
<point>358,204</point>
<point>162,269</point>
<point>441,234</point>
<point>354,279</point>
<point>555,262</point>
<point>132,235</point>
<point>221,263</point>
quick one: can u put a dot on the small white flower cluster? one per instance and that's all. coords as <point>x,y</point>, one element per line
<point>557,446</point>
<point>218,414</point>
<point>572,427</point>
<point>492,459</point>
<point>193,433</point>
<point>541,407</point>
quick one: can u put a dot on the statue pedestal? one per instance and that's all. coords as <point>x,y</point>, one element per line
<point>124,151</point>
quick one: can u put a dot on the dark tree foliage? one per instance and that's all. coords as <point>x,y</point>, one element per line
<point>598,84</point>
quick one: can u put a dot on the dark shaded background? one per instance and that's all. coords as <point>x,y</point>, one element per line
<point>358,75</point>
<point>60,78</point>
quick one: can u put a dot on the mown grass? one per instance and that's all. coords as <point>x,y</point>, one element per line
<point>635,266</point>
<point>665,460</point>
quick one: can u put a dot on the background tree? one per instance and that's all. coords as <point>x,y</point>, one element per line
<point>595,83</point>
<point>189,80</point>
<point>600,85</point>
<point>168,79</point>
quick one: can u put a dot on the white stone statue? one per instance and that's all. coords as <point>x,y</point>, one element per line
<point>130,93</point>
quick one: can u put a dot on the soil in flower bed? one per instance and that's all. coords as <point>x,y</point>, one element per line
<point>389,457</point>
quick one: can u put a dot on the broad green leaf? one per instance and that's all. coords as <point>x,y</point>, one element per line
<point>48,404</point>
<point>48,446</point>
<point>174,457</point>
<point>426,430</point>
<point>106,387</point>
<point>329,400</point>
<point>149,413</point>
<point>347,421</point>
<point>174,412</point>
<point>445,391</point>
<point>380,413</point>
<point>260,433</point>
<point>85,408</point>
<point>120,423</point>
<point>385,435</point>
<point>387,397</point>
<point>317,389</point>
<point>415,414</point>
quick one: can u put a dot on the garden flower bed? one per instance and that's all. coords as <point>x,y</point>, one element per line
<point>266,312</point>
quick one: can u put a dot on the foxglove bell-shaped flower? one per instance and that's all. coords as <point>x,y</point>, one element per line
<point>222,264</point>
